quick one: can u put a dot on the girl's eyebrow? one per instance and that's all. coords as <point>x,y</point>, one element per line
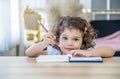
<point>64,35</point>
<point>74,36</point>
<point>77,37</point>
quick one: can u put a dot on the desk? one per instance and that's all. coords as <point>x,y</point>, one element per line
<point>28,68</point>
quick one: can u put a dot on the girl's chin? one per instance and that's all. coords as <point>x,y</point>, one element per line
<point>64,53</point>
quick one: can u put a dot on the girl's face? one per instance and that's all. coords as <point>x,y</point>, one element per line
<point>70,39</point>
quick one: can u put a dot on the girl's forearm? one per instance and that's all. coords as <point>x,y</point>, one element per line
<point>103,51</point>
<point>36,50</point>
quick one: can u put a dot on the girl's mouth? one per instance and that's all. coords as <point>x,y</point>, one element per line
<point>69,49</point>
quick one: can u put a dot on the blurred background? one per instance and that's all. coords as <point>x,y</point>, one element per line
<point>19,26</point>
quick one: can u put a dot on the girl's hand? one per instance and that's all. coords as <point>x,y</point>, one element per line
<point>49,39</point>
<point>80,53</point>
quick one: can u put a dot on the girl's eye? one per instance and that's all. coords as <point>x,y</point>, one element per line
<point>76,39</point>
<point>64,38</point>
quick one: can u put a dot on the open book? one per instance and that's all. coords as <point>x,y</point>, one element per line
<point>67,58</point>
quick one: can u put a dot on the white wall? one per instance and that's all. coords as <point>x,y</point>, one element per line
<point>86,4</point>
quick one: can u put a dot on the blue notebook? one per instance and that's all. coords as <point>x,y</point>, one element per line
<point>67,58</point>
<point>86,59</point>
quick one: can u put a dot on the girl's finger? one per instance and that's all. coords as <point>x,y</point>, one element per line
<point>75,53</point>
<point>72,51</point>
<point>52,36</point>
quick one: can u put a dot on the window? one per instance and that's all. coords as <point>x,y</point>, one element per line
<point>9,24</point>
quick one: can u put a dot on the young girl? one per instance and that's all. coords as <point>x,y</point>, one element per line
<point>71,35</point>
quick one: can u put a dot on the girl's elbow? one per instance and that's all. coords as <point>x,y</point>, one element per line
<point>28,53</point>
<point>111,52</point>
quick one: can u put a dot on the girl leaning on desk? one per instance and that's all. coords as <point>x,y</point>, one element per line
<point>70,35</point>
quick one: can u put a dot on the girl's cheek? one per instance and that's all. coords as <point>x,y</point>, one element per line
<point>78,45</point>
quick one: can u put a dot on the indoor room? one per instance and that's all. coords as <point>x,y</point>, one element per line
<point>23,29</point>
<point>24,24</point>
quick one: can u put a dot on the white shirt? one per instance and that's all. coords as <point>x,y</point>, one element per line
<point>53,51</point>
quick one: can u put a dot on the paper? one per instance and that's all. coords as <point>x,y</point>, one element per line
<point>52,58</point>
<point>67,58</point>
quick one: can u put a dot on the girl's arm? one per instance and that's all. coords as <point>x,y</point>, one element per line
<point>38,48</point>
<point>103,51</point>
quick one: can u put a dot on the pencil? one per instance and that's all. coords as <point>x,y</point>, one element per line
<point>42,26</point>
<point>46,30</point>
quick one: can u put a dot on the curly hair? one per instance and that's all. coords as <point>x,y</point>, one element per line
<point>78,23</point>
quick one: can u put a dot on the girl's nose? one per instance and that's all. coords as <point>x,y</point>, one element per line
<point>70,42</point>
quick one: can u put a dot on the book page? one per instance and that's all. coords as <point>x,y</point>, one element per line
<point>52,58</point>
